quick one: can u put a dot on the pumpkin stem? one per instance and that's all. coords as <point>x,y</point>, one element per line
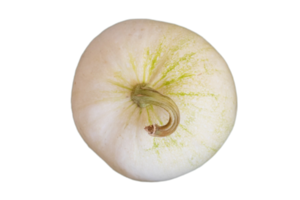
<point>145,96</point>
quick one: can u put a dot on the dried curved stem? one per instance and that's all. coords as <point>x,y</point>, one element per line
<point>145,96</point>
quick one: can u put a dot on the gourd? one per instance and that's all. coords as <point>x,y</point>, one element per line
<point>154,100</point>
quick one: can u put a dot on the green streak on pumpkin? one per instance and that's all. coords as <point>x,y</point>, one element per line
<point>193,94</point>
<point>132,62</point>
<point>130,115</point>
<point>175,80</point>
<point>207,66</point>
<point>187,57</point>
<point>171,142</point>
<point>185,129</point>
<point>166,142</point>
<point>119,85</point>
<point>118,75</point>
<point>128,107</point>
<point>199,109</point>
<point>205,145</point>
<point>155,145</point>
<point>146,56</point>
<point>184,94</point>
<point>155,148</point>
<point>223,124</point>
<point>158,153</point>
<point>154,58</point>
<point>189,160</point>
<point>190,118</point>
<point>209,148</point>
<point>162,55</point>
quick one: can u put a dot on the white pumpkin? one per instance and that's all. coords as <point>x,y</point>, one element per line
<point>187,78</point>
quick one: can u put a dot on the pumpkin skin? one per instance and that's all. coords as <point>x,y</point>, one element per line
<point>177,63</point>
